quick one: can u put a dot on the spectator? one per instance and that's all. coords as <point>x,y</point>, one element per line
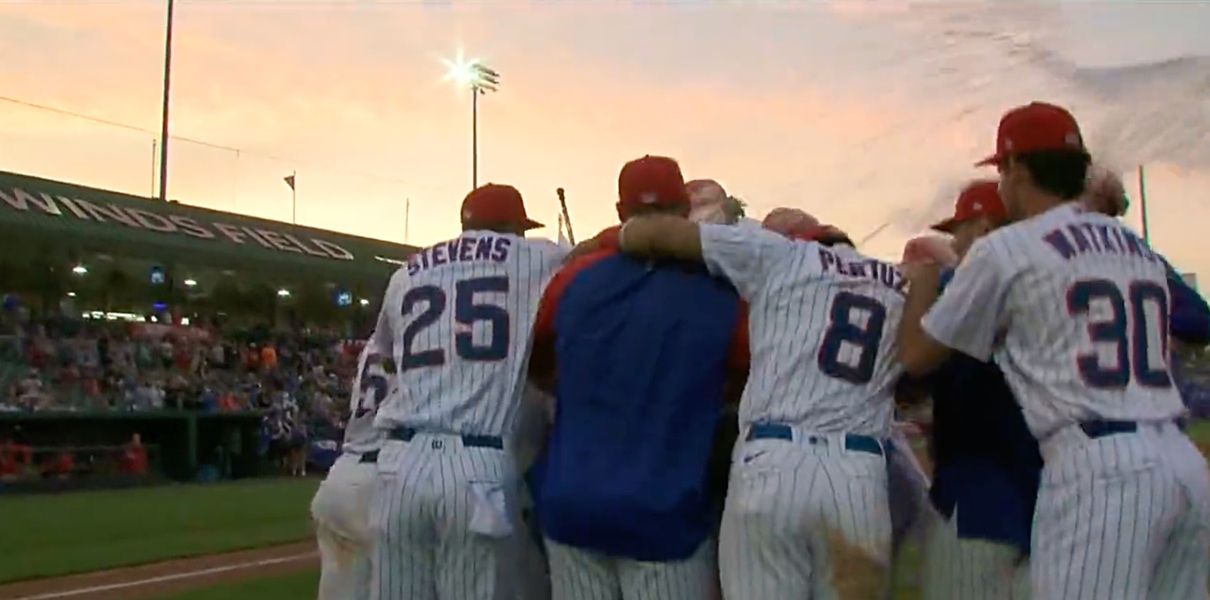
<point>268,358</point>
<point>15,459</point>
<point>134,457</point>
<point>60,466</point>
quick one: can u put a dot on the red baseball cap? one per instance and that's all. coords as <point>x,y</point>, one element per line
<point>497,204</point>
<point>1035,127</point>
<point>979,199</point>
<point>652,181</point>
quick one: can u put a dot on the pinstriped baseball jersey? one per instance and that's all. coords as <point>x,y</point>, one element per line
<point>458,321</point>
<point>1081,305</point>
<point>822,329</point>
<point>371,387</point>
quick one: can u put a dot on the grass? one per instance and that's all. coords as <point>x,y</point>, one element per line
<point>1199,432</point>
<point>278,587</point>
<point>86,531</point>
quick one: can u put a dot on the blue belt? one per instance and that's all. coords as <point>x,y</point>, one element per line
<point>1099,429</point>
<point>1102,428</point>
<point>369,457</point>
<point>778,431</point>
<point>405,434</point>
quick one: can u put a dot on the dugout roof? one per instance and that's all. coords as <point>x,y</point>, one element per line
<point>42,215</point>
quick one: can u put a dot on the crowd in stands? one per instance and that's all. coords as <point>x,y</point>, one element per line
<point>294,378</point>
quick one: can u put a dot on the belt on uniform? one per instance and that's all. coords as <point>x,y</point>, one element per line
<point>777,431</point>
<point>369,457</point>
<point>1100,429</point>
<point>405,434</point>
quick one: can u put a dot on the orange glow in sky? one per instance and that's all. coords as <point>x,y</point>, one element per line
<point>810,106</point>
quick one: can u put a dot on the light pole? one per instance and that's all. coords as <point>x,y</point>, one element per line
<point>164,115</point>
<point>481,79</point>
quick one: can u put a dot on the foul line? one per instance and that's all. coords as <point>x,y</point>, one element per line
<point>173,577</point>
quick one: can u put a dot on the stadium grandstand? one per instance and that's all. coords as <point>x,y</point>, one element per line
<point>127,322</point>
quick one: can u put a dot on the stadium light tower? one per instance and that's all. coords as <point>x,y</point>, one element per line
<point>164,114</point>
<point>480,79</point>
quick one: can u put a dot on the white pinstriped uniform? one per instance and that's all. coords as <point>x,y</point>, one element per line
<point>458,321</point>
<point>969,568</point>
<point>341,507</point>
<point>1074,306</point>
<point>801,513</point>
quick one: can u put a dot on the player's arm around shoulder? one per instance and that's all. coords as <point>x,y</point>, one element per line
<point>743,255</point>
<point>965,318</point>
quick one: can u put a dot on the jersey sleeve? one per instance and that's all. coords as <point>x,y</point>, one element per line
<point>745,256</point>
<point>382,339</point>
<point>972,309</point>
<point>545,257</point>
<point>1189,321</point>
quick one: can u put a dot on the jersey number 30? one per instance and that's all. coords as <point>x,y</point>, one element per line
<point>1124,332</point>
<point>466,313</point>
<point>845,332</point>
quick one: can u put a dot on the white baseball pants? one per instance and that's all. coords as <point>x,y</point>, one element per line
<point>341,511</point>
<point>444,521</point>
<point>805,518</point>
<point>970,569</point>
<point>1122,516</point>
<point>578,574</point>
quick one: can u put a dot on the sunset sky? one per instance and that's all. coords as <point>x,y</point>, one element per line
<point>859,113</point>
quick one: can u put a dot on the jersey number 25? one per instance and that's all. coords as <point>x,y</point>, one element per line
<point>845,332</point>
<point>466,313</point>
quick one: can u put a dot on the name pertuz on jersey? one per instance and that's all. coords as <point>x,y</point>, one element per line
<point>876,270</point>
<point>463,249</point>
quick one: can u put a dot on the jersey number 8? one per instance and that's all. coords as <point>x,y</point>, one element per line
<point>843,331</point>
<point>466,313</point>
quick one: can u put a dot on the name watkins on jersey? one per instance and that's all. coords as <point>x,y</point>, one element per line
<point>161,221</point>
<point>1084,238</point>
<point>876,270</point>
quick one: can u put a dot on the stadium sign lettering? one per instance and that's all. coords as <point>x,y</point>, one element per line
<point>62,206</point>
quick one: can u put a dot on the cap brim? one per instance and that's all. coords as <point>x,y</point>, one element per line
<point>946,226</point>
<point>994,159</point>
<point>529,224</point>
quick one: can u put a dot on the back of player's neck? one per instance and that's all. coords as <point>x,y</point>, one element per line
<point>1042,203</point>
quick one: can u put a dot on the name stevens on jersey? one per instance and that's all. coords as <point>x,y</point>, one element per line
<point>1077,239</point>
<point>462,249</point>
<point>873,269</point>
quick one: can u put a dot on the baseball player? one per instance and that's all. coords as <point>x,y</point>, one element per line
<point>986,465</point>
<point>641,353</point>
<point>907,483</point>
<point>1073,306</point>
<point>457,320</point>
<point>806,513</point>
<point>341,507</point>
